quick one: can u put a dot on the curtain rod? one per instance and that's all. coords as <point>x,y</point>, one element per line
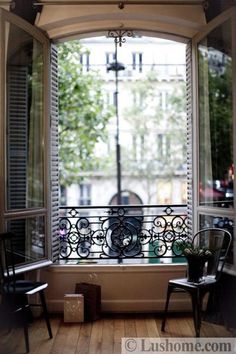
<point>121,4</point>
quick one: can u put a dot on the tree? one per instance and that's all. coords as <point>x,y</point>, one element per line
<point>159,133</point>
<point>82,114</point>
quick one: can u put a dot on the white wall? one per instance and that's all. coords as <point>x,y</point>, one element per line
<point>125,288</point>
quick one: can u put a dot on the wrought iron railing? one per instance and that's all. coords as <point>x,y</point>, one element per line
<point>141,232</point>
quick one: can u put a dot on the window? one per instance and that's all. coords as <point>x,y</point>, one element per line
<point>216,168</point>
<point>138,147</point>
<point>63,195</point>
<point>222,222</point>
<point>110,98</point>
<point>216,122</point>
<point>138,99</point>
<point>164,98</point>
<point>137,61</point>
<point>84,61</point>
<point>110,58</point>
<point>85,194</point>
<point>163,146</point>
<point>25,130</point>
<point>25,208</point>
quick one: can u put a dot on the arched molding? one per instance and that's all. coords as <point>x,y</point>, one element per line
<point>71,21</point>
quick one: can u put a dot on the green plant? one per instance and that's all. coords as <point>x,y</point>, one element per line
<point>196,258</point>
<point>188,249</point>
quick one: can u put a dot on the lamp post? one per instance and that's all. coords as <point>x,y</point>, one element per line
<point>116,67</point>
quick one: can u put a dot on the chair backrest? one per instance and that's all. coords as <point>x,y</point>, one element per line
<point>7,263</point>
<point>218,242</point>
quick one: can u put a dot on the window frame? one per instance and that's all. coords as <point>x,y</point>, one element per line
<point>199,210</point>
<point>6,215</point>
<point>137,61</point>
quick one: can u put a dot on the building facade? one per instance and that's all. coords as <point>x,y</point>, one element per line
<point>152,127</point>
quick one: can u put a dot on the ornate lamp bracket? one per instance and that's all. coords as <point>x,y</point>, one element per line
<point>119,35</point>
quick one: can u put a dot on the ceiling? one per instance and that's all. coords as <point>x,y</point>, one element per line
<point>69,19</point>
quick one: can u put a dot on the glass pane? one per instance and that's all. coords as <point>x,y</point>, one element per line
<point>216,119</point>
<point>222,223</point>
<point>25,130</point>
<point>29,241</point>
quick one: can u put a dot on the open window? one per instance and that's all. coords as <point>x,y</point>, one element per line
<point>214,154</point>
<point>26,131</point>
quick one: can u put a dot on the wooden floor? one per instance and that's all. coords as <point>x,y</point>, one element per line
<point>102,336</point>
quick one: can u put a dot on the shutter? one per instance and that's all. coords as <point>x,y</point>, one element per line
<point>17,149</point>
<point>54,156</point>
<point>17,136</point>
<point>189,136</point>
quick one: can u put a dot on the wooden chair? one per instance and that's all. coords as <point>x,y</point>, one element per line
<point>15,292</point>
<point>219,241</point>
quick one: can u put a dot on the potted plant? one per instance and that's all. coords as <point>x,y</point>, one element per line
<point>196,258</point>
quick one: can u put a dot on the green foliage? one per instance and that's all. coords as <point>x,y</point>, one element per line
<point>82,114</point>
<point>215,120</point>
<point>220,99</point>
<point>149,119</point>
<point>188,249</point>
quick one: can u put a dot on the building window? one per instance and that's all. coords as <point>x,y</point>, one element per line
<point>63,195</point>
<point>109,98</point>
<point>110,58</point>
<point>85,194</point>
<point>138,142</point>
<point>84,61</point>
<point>137,61</point>
<point>163,146</point>
<point>164,100</point>
<point>127,198</point>
<point>138,99</point>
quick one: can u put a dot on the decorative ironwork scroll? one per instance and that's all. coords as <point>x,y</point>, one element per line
<point>119,35</point>
<point>124,232</point>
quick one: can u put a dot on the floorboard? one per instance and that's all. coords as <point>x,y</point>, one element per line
<point>102,336</point>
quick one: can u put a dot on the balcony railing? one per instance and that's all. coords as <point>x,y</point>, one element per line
<point>141,233</point>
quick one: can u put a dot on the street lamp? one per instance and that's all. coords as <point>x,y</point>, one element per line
<point>116,67</point>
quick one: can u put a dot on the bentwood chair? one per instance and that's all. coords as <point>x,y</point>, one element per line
<point>15,292</point>
<point>217,240</point>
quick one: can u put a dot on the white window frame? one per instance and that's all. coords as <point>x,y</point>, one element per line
<point>5,215</point>
<point>197,208</point>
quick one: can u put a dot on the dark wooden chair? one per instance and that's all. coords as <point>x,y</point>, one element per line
<point>15,291</point>
<point>219,241</point>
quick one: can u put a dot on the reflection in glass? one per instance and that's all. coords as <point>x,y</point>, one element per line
<point>29,241</point>
<point>25,131</point>
<point>222,223</point>
<point>216,169</point>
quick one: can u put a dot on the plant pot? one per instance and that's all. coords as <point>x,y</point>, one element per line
<point>195,268</point>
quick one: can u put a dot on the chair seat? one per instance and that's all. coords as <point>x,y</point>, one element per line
<point>25,287</point>
<point>184,283</point>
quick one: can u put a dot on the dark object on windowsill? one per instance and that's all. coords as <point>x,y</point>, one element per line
<point>92,300</point>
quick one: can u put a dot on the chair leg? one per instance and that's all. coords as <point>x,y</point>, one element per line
<point>195,315</point>
<point>169,291</point>
<point>197,310</point>
<point>45,312</point>
<point>26,334</point>
<point>25,325</point>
